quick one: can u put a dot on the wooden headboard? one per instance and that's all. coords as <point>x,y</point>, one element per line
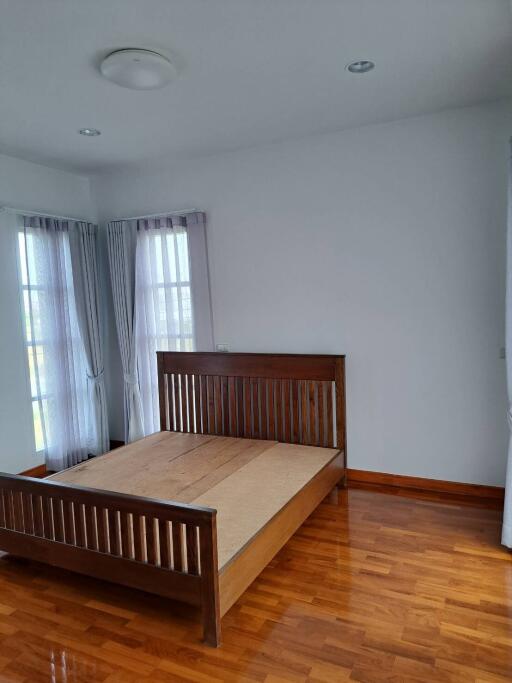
<point>291,398</point>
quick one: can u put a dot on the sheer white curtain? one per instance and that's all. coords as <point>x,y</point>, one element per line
<point>58,371</point>
<point>163,303</point>
<point>506,536</point>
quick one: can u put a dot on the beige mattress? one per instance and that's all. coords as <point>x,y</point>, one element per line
<point>247,481</point>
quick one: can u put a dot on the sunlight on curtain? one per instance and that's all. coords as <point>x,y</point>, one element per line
<point>164,316</point>
<point>58,375</point>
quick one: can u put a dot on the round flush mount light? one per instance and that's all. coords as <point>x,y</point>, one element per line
<point>90,132</point>
<point>361,66</point>
<point>138,69</point>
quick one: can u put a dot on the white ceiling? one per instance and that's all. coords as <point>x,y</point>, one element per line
<point>250,71</point>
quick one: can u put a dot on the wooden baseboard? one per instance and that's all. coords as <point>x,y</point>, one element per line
<point>364,477</point>
<point>39,472</point>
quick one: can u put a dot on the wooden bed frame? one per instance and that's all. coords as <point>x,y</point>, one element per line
<point>170,548</point>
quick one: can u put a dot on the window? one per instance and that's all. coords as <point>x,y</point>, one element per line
<point>56,363</point>
<point>164,316</point>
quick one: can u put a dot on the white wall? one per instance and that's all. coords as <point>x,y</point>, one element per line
<point>386,243</point>
<point>31,187</point>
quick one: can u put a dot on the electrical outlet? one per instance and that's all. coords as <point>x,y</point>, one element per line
<point>222,348</point>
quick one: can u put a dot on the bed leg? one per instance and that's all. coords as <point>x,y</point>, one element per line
<point>211,622</point>
<point>210,602</point>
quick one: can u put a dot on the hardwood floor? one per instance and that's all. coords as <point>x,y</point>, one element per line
<point>374,588</point>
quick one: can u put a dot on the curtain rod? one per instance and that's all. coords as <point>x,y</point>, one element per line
<point>184,212</point>
<point>10,209</point>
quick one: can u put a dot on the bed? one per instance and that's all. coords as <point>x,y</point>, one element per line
<point>249,445</point>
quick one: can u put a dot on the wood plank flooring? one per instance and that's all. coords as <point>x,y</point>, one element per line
<point>372,588</point>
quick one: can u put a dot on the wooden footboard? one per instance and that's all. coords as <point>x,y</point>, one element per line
<point>165,548</point>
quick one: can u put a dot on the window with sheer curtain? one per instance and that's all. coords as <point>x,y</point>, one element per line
<point>57,368</point>
<point>163,305</point>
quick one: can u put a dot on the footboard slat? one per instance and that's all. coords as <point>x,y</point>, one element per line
<point>12,512</point>
<point>102,529</point>
<point>112,532</point>
<point>57,519</point>
<point>176,545</point>
<point>113,536</point>
<point>69,535</point>
<point>47,518</point>
<point>79,525</point>
<point>90,527</point>
<point>151,541</point>
<point>28,517</point>
<point>125,523</point>
<point>137,537</point>
<point>163,539</point>
<point>38,516</point>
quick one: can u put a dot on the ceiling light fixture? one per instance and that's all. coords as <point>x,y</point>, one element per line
<point>90,132</point>
<point>138,69</point>
<point>361,66</point>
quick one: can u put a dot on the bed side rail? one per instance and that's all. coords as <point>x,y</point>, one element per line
<point>158,546</point>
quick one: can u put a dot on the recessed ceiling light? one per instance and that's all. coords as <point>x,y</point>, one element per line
<point>138,69</point>
<point>90,132</point>
<point>361,66</point>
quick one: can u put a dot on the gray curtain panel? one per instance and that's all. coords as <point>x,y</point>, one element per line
<point>83,242</point>
<point>121,238</point>
<point>200,281</point>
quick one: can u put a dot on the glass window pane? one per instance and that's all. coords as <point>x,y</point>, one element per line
<point>173,293</point>
<point>32,371</point>
<point>33,244</point>
<point>34,309</point>
<point>160,313</point>
<point>171,257</point>
<point>186,307</point>
<point>182,242</point>
<point>38,426</point>
<point>37,370</point>
<point>26,315</point>
<point>23,258</point>
<point>158,256</point>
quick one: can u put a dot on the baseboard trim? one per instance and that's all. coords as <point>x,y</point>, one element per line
<point>38,472</point>
<point>362,477</point>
